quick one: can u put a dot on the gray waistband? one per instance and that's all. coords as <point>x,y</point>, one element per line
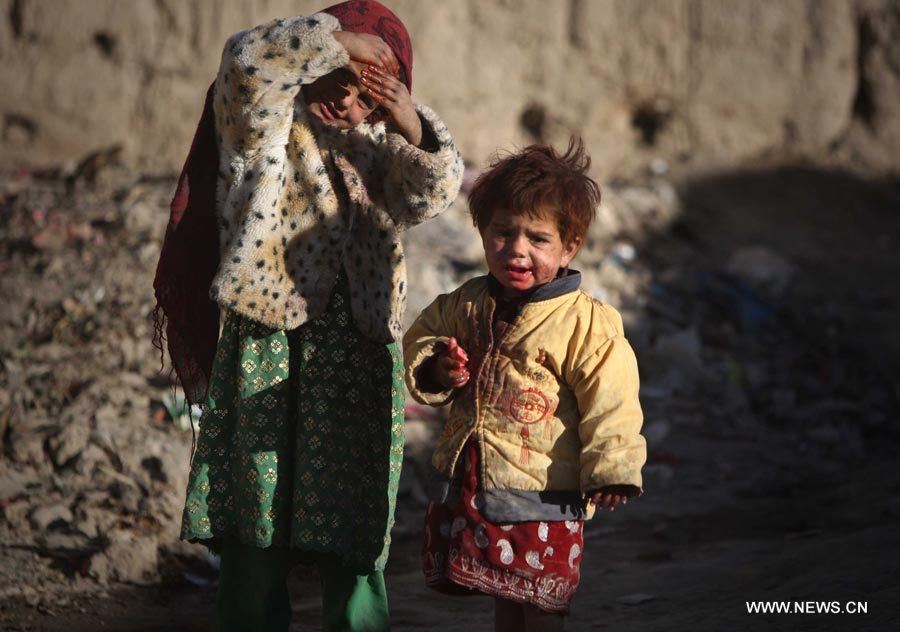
<point>513,505</point>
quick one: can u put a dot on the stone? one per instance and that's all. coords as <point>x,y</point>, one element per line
<point>763,268</point>
<point>94,521</point>
<point>106,421</point>
<point>675,361</point>
<point>14,481</point>
<point>64,542</point>
<point>70,441</point>
<point>90,457</point>
<point>48,515</point>
<point>27,445</point>
<point>128,558</point>
<point>636,599</point>
<point>421,433</point>
<point>15,515</point>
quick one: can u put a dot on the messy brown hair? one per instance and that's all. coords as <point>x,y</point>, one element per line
<point>538,181</point>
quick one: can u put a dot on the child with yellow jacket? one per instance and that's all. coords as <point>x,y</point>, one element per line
<point>545,419</point>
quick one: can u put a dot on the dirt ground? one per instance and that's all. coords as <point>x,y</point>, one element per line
<point>681,560</point>
<point>771,388</point>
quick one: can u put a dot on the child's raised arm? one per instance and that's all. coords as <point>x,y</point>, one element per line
<point>261,73</point>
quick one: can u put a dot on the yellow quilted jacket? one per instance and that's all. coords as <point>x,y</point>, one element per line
<point>553,404</point>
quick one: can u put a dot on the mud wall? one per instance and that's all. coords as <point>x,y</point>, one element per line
<point>695,82</point>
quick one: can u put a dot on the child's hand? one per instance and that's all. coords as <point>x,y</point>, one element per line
<point>450,370</point>
<point>368,49</point>
<point>609,497</point>
<point>391,94</point>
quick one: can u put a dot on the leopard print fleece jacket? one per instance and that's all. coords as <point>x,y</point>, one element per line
<point>297,199</point>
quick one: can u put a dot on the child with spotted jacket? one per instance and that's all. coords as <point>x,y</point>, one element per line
<point>545,420</point>
<point>323,160</point>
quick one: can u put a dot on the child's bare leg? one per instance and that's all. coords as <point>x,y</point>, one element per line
<point>537,620</point>
<point>508,616</point>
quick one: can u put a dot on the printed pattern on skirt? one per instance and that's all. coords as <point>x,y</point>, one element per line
<point>534,562</point>
<point>301,439</point>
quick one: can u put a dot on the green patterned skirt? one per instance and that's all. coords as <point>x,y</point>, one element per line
<point>301,439</point>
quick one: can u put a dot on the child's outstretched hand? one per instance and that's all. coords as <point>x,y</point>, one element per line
<point>609,497</point>
<point>450,370</point>
<point>391,94</point>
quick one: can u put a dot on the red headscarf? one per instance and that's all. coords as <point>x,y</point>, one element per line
<point>185,317</point>
<point>369,16</point>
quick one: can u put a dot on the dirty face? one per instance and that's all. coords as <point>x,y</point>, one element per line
<point>338,98</point>
<point>524,252</point>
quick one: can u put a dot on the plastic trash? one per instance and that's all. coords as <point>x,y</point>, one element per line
<point>183,416</point>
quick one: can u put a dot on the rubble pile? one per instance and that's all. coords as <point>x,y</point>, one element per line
<point>92,473</point>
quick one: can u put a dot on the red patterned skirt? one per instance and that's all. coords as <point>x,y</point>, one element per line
<point>533,562</point>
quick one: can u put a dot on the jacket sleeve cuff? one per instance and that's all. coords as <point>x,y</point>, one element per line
<point>432,126</point>
<point>629,490</point>
<point>427,177</point>
<point>617,460</point>
<point>420,387</point>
